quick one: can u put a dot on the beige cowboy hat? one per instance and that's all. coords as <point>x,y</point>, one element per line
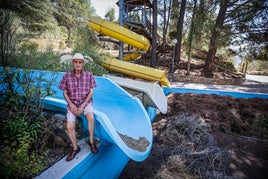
<point>80,57</point>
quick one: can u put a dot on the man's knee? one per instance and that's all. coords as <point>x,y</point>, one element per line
<point>70,125</point>
<point>90,116</point>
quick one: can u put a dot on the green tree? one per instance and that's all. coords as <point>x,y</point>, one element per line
<point>243,21</point>
<point>37,15</point>
<point>204,20</point>
<point>164,11</point>
<point>174,19</point>
<point>214,39</point>
<point>9,24</point>
<point>251,29</point>
<point>71,14</point>
<point>110,14</point>
<point>19,14</point>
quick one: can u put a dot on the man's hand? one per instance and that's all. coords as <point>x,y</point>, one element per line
<point>80,109</point>
<point>73,109</point>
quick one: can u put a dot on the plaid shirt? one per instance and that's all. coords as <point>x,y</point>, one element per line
<point>78,88</point>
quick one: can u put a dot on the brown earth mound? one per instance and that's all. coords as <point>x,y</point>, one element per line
<point>207,136</point>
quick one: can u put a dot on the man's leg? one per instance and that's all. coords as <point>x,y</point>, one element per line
<point>70,125</point>
<point>71,133</point>
<point>90,118</point>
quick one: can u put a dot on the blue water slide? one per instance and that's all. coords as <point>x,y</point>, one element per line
<point>117,113</point>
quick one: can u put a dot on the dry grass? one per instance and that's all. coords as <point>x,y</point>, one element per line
<point>195,153</point>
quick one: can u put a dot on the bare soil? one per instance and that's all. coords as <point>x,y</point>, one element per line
<point>207,136</point>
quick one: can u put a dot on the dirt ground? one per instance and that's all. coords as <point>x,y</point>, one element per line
<point>207,136</point>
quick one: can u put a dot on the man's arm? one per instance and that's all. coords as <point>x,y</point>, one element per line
<point>73,108</point>
<point>82,106</point>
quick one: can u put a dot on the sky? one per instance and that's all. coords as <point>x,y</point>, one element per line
<point>102,6</point>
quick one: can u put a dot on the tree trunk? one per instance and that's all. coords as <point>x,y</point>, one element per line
<point>190,38</point>
<point>69,36</point>
<point>3,31</point>
<point>2,46</point>
<point>214,40</point>
<point>154,45</point>
<point>166,23</point>
<point>179,31</point>
<point>246,68</point>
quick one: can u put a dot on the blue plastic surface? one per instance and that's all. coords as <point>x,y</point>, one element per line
<point>217,92</point>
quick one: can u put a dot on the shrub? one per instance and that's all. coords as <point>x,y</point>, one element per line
<point>21,125</point>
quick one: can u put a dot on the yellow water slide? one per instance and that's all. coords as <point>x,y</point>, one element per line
<point>141,43</point>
